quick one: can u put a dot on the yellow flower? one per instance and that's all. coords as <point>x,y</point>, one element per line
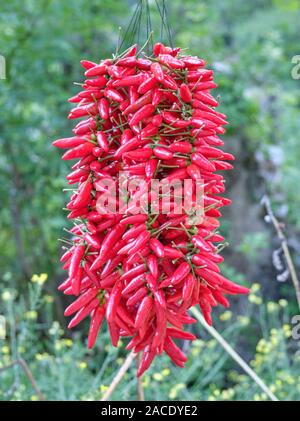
<point>254,299</point>
<point>42,357</point>
<point>158,377</point>
<point>244,320</point>
<point>67,342</point>
<point>227,394</point>
<point>5,349</point>
<point>255,287</point>
<point>226,316</point>
<point>58,345</point>
<point>82,365</point>
<point>55,329</point>
<point>287,330</point>
<point>31,315</point>
<point>175,390</point>
<point>49,299</point>
<point>39,279</point>
<point>166,372</point>
<point>198,343</point>
<point>283,302</point>
<point>103,388</point>
<point>34,398</point>
<point>7,295</point>
<point>146,381</point>
<point>272,307</point>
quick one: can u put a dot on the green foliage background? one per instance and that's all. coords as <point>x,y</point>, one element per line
<point>250,45</point>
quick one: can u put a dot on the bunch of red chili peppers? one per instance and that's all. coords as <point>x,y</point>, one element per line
<point>152,118</point>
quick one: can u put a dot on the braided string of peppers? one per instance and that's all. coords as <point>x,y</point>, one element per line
<point>149,118</point>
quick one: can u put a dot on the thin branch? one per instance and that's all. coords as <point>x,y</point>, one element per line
<point>266,202</point>
<point>237,358</point>
<point>120,374</point>
<point>139,389</point>
<point>28,373</point>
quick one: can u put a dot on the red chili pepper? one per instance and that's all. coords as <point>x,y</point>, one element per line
<point>201,243</point>
<point>157,98</point>
<point>124,314</point>
<point>143,112</point>
<point>173,351</point>
<point>66,256</point>
<point>169,82</point>
<point>140,242</point>
<point>134,80</point>
<point>162,153</point>
<point>130,274</point>
<point>83,197</point>
<point>134,283</point>
<point>79,151</point>
<point>179,174</point>
<point>202,162</point>
<point>113,94</point>
<point>83,312</point>
<point>143,311</point>
<point>148,84</point>
<point>181,147</point>
<point>171,61</point>
<point>171,253</point>
<point>96,321</point>
<point>103,108</point>
<point>185,93</point>
<point>69,142</point>
<point>86,64</point>
<point>180,273</point>
<point>137,296</point>
<point>194,172</point>
<point>81,301</point>
<point>157,71</point>
<point>134,232</point>
<point>174,121</point>
<point>146,361</point>
<point>150,168</point>
<point>114,333</point>
<point>134,219</point>
<point>113,301</point>
<point>107,245</point>
<point>102,141</point>
<point>188,288</point>
<point>138,104</point>
<point>99,69</point>
<point>180,334</point>
<point>141,154</point>
<point>157,247</point>
<point>206,98</point>
<point>76,281</point>
<point>129,61</point>
<point>148,131</point>
<point>76,260</point>
<point>109,279</point>
<point>153,265</point>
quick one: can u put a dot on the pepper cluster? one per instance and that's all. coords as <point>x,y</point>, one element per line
<point>150,118</point>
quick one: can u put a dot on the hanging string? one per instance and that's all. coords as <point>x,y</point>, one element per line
<point>149,27</point>
<point>132,27</point>
<point>140,26</point>
<point>165,26</point>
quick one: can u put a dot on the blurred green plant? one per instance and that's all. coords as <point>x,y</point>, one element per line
<point>64,369</point>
